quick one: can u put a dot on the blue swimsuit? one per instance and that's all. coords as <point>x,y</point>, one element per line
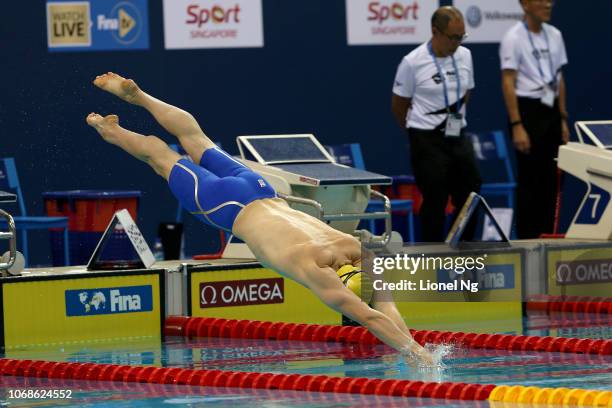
<point>217,189</point>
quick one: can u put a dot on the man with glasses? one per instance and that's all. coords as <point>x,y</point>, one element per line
<point>431,90</point>
<point>532,54</point>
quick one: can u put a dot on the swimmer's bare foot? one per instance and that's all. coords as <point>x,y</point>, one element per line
<point>125,89</point>
<point>107,126</point>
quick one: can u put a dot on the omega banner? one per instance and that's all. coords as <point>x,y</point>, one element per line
<point>389,21</point>
<point>212,24</point>
<point>486,21</point>
<point>242,292</point>
<point>580,270</point>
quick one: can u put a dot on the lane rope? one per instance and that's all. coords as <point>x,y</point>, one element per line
<point>301,382</point>
<point>570,304</point>
<point>194,327</point>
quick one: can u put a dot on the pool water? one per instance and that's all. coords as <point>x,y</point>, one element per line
<point>465,365</point>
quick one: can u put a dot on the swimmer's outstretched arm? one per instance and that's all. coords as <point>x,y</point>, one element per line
<point>325,284</point>
<point>382,300</point>
<point>384,303</point>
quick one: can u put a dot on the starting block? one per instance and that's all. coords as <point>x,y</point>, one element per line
<point>591,161</point>
<point>305,175</point>
<point>7,197</point>
<point>8,259</point>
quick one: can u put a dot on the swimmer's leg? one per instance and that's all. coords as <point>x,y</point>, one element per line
<point>150,149</point>
<point>175,120</point>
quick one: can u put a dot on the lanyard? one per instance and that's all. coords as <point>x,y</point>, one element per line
<point>536,54</point>
<point>443,78</point>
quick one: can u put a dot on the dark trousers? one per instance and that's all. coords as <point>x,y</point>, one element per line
<point>442,166</point>
<point>537,170</point>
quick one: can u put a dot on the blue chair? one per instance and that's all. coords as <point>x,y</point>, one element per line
<point>492,155</point>
<point>10,182</point>
<point>350,155</point>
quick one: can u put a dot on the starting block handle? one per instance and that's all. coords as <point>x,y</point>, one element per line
<point>12,237</point>
<point>384,239</point>
<point>377,241</point>
<point>361,216</point>
<point>598,172</point>
<point>305,201</point>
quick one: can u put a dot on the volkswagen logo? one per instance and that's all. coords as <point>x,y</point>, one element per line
<point>474,16</point>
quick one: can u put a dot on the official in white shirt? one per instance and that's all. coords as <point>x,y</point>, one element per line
<point>431,90</point>
<point>532,54</point>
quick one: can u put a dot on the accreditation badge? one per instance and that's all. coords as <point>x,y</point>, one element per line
<point>453,125</point>
<point>549,96</point>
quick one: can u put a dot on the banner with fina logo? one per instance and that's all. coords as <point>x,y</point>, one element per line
<point>96,301</point>
<point>97,25</point>
<point>212,24</point>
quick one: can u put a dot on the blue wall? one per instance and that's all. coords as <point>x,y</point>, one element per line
<point>306,79</point>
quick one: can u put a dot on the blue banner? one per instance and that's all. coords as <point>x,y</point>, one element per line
<point>127,299</point>
<point>97,25</point>
<point>491,277</point>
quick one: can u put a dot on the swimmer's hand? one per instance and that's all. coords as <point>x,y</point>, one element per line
<point>420,356</point>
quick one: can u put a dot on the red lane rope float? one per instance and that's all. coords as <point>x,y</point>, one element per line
<point>254,329</point>
<point>239,379</point>
<point>571,304</point>
<point>567,321</point>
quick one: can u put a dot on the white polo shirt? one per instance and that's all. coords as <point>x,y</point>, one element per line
<point>517,53</point>
<point>417,78</point>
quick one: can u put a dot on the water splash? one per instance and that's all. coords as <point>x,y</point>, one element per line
<point>439,352</point>
<point>431,357</point>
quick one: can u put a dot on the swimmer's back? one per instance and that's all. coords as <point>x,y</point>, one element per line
<point>281,236</point>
